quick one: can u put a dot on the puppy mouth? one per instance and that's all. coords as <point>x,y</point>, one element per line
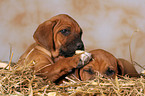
<point>66,54</point>
<point>69,50</point>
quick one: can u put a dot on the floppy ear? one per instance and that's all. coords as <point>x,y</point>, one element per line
<point>120,67</point>
<point>44,35</point>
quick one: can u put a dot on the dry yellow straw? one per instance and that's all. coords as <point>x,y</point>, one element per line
<point>10,60</point>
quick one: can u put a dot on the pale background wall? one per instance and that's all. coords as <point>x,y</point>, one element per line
<point>107,24</point>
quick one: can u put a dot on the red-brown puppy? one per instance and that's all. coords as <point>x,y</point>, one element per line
<point>58,37</point>
<point>105,63</point>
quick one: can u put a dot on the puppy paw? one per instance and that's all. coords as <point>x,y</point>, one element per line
<point>85,57</point>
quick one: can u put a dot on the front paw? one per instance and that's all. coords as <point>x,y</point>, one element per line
<point>85,57</point>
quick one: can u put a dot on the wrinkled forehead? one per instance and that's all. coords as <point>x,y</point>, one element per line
<point>63,18</point>
<point>65,21</point>
<point>102,62</point>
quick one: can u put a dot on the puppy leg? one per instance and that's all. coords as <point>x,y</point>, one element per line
<point>62,67</point>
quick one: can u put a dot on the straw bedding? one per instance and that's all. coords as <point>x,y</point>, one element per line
<point>20,80</point>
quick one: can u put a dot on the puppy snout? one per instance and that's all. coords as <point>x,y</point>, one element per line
<point>80,46</point>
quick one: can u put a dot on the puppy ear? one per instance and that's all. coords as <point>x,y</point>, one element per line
<point>44,35</point>
<point>120,67</point>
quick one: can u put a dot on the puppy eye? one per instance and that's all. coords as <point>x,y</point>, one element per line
<point>65,32</point>
<point>109,72</point>
<point>90,71</point>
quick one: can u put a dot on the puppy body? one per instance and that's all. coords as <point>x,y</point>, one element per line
<point>129,68</point>
<point>58,37</point>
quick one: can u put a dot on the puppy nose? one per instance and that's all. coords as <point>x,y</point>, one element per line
<point>80,46</point>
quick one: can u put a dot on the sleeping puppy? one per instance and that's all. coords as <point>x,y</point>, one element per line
<point>103,62</point>
<point>106,64</point>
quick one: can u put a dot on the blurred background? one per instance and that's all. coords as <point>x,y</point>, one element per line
<point>106,24</point>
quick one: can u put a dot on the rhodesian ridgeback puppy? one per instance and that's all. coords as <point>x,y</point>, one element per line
<point>58,37</point>
<point>106,64</point>
<point>102,62</point>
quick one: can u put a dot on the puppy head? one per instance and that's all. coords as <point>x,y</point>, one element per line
<point>103,62</point>
<point>61,35</point>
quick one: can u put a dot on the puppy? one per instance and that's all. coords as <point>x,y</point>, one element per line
<point>106,64</point>
<point>58,37</point>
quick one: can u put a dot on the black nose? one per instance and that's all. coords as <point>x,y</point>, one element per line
<point>80,46</point>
